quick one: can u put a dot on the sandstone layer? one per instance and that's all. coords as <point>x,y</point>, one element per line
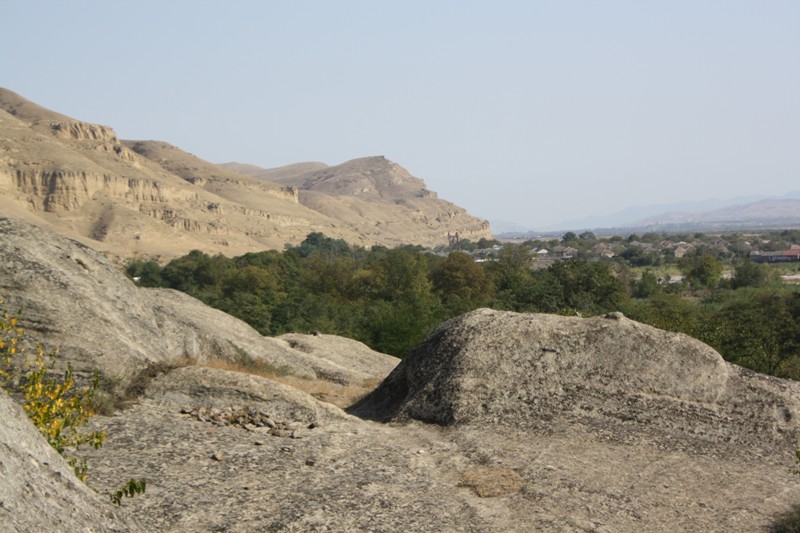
<point>151,199</point>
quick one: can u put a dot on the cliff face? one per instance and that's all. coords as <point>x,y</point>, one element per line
<point>150,198</point>
<point>58,190</point>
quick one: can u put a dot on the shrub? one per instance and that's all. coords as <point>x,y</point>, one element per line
<point>57,408</point>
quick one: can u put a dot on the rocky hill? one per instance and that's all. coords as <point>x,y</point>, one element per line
<point>149,198</point>
<point>360,190</point>
<point>497,422</point>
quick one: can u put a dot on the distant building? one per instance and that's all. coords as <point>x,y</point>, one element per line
<point>565,252</point>
<point>785,256</point>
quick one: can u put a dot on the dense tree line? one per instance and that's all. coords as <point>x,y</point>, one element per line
<point>391,299</point>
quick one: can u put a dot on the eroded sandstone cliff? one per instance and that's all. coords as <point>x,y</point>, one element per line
<point>149,198</point>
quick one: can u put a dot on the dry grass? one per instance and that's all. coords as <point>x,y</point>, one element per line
<point>110,400</point>
<point>262,369</point>
<point>340,395</point>
<point>327,391</point>
<point>491,482</point>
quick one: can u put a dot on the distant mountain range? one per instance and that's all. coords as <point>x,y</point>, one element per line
<point>743,212</point>
<point>151,199</point>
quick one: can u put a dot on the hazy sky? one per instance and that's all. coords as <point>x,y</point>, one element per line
<point>529,111</point>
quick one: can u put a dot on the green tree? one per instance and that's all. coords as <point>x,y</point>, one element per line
<point>589,287</point>
<point>646,286</point>
<point>749,274</point>
<point>403,308</point>
<point>250,293</point>
<point>317,243</point>
<point>666,311</point>
<point>702,271</point>
<point>461,283</point>
<point>196,273</point>
<point>148,273</point>
<point>760,330</point>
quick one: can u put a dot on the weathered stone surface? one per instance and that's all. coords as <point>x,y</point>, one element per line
<point>355,475</point>
<point>608,373</point>
<point>348,361</point>
<point>39,490</point>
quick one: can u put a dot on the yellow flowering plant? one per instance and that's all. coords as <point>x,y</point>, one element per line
<point>57,408</point>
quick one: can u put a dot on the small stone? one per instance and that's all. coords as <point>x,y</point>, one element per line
<point>258,442</point>
<point>276,432</point>
<point>269,423</point>
<point>217,456</point>
<point>310,462</point>
<point>313,425</point>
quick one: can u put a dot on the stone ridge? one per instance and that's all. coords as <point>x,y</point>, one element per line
<point>526,370</point>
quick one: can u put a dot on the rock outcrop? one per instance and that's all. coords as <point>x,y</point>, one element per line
<point>610,373</point>
<point>555,424</point>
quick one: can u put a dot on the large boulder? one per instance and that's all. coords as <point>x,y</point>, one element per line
<point>615,374</point>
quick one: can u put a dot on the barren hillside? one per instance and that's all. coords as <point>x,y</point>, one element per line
<point>377,195</point>
<point>149,198</point>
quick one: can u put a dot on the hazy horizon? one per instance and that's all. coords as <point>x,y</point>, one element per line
<point>536,113</point>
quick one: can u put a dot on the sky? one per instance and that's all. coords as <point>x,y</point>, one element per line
<point>531,112</point>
